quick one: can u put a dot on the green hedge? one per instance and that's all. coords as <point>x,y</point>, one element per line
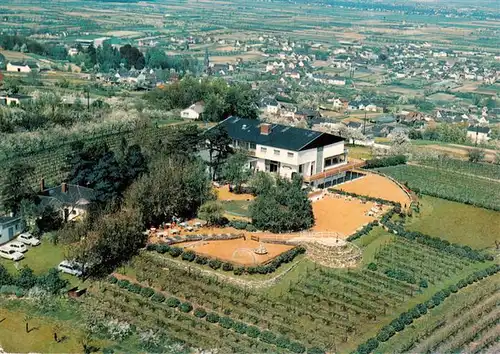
<point>406,318</point>
<point>370,199</point>
<point>190,256</point>
<point>386,161</point>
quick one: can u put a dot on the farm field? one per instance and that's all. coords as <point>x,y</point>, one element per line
<point>487,170</point>
<point>311,305</point>
<point>458,223</point>
<point>448,185</point>
<point>466,322</point>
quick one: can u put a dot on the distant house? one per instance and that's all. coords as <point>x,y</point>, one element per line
<point>10,226</point>
<point>22,67</point>
<point>269,106</point>
<point>478,134</point>
<point>71,200</point>
<point>16,99</point>
<point>194,111</point>
<point>340,103</point>
<point>307,114</point>
<point>353,125</point>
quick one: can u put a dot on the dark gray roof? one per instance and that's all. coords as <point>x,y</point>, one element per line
<point>478,129</point>
<point>74,195</point>
<point>8,219</point>
<point>281,136</point>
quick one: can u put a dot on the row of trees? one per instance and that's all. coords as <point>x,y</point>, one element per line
<point>221,100</point>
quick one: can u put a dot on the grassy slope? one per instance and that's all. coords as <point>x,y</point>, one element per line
<point>456,222</point>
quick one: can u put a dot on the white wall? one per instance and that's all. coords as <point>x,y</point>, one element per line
<point>22,69</point>
<point>189,114</point>
<point>333,150</point>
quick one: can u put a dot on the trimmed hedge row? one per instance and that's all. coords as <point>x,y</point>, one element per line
<point>437,243</point>
<point>386,161</point>
<point>370,199</point>
<point>242,225</point>
<point>212,317</point>
<point>190,256</point>
<point>364,231</point>
<point>406,318</point>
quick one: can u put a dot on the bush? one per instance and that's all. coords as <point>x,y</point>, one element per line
<point>283,342</point>
<point>423,283</point>
<point>173,302</point>
<point>124,283</point>
<point>239,271</point>
<point>200,312</point>
<point>188,256</point>
<point>385,333</point>
<point>250,228</point>
<point>162,248</point>
<point>268,337</point>
<point>227,267</point>
<point>297,347</point>
<point>406,318</point>
<point>185,307</point>
<point>151,247</point>
<point>453,288</point>
<point>315,350</point>
<point>175,251</point>
<point>239,327</point>
<point>158,297</point>
<point>397,324</point>
<point>253,332</point>
<point>147,292</point>
<point>372,266</point>
<point>201,260</point>
<point>214,264</point>
<point>212,317</point>
<point>135,288</point>
<point>112,279</point>
<point>226,322</point>
<point>422,308</point>
<point>239,225</point>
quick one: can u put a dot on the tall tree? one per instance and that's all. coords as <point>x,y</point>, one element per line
<point>236,171</point>
<point>218,145</point>
<point>183,141</point>
<point>16,187</point>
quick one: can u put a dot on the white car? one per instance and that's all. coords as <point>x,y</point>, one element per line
<point>70,267</point>
<point>28,239</point>
<point>17,246</point>
<point>11,254</point>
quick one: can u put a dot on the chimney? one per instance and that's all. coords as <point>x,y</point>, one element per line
<point>42,184</point>
<point>64,187</point>
<point>265,128</point>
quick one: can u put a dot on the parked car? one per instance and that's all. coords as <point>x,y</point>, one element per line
<point>17,246</point>
<point>71,267</point>
<point>28,239</point>
<point>11,254</point>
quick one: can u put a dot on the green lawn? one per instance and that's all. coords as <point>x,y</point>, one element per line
<point>40,258</point>
<point>237,207</point>
<point>456,222</point>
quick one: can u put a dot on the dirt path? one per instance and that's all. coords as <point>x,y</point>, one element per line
<point>457,172</point>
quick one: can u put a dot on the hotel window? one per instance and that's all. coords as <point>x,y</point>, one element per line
<point>290,154</point>
<point>276,152</point>
<point>300,169</point>
<point>253,146</point>
<point>263,149</point>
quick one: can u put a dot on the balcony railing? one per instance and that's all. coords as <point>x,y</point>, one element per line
<point>336,170</point>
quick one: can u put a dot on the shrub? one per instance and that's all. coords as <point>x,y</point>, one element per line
<point>250,228</point>
<point>423,283</point>
<point>315,350</point>
<point>123,283</point>
<point>185,307</point>
<point>239,271</point>
<point>175,251</point>
<point>397,324</point>
<point>135,288</point>
<point>282,342</point>
<point>268,337</point>
<point>200,312</point>
<point>406,318</point>
<point>147,292</point>
<point>226,322</point>
<point>297,347</point>
<point>201,260</point>
<point>173,302</point>
<point>162,248</point>
<point>212,317</point>
<point>422,308</point>
<point>239,225</point>
<point>239,327</point>
<point>151,247</point>
<point>188,256</point>
<point>227,267</point>
<point>453,288</point>
<point>253,332</point>
<point>112,279</point>
<point>372,266</point>
<point>385,333</point>
<point>214,264</point>
<point>158,297</point>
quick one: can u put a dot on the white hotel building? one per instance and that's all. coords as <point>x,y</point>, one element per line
<point>319,157</point>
